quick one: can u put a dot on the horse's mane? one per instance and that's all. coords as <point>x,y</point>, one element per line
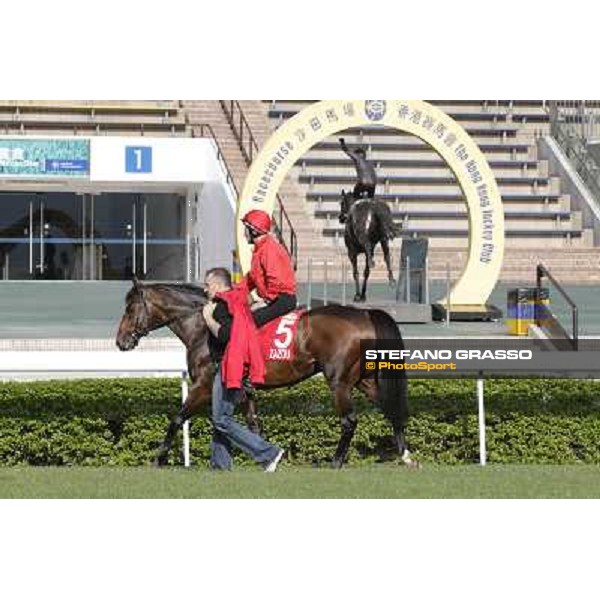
<point>190,292</point>
<point>189,288</point>
<point>186,292</point>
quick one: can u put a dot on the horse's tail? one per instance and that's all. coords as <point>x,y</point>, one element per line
<point>392,394</point>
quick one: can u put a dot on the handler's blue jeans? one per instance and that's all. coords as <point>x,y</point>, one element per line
<point>228,432</point>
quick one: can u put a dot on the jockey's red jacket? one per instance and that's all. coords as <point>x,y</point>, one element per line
<point>271,272</point>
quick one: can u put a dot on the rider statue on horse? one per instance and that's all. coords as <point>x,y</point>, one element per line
<point>365,172</point>
<point>368,222</point>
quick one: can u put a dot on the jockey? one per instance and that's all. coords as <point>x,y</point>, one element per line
<point>271,272</point>
<point>365,172</point>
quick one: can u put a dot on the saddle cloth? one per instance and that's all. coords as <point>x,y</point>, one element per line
<point>277,337</point>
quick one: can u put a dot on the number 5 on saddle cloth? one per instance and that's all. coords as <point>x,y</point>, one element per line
<point>277,337</point>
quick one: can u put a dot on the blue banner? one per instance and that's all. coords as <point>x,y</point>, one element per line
<point>57,165</point>
<point>44,157</point>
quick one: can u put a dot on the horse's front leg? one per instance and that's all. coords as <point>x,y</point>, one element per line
<point>200,394</point>
<point>366,274</point>
<point>354,261</point>
<point>385,246</point>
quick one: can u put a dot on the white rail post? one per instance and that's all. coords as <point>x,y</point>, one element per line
<point>309,283</point>
<point>186,425</point>
<point>344,281</point>
<point>407,291</point>
<point>448,301</point>
<point>325,282</point>
<point>481,405</point>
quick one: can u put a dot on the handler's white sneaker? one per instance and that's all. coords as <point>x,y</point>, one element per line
<point>272,466</point>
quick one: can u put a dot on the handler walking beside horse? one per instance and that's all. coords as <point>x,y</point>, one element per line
<point>327,341</point>
<point>227,343</point>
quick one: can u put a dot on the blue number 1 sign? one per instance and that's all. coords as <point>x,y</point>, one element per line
<point>138,159</point>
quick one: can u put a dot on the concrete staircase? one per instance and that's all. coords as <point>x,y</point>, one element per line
<point>311,243</point>
<point>310,240</point>
<point>507,134</point>
<point>540,225</point>
<point>201,112</point>
<point>576,265</point>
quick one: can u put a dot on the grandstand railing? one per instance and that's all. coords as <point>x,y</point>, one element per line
<point>548,321</point>
<point>575,124</point>
<point>582,117</point>
<point>241,129</point>
<point>93,117</point>
<point>206,131</point>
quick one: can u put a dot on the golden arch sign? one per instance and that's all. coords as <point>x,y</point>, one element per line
<point>328,117</point>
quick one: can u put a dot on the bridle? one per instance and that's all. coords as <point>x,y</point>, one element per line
<point>139,332</point>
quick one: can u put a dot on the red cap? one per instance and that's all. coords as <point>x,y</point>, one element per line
<point>259,220</point>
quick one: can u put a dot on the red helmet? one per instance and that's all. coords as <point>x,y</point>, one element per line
<point>258,220</point>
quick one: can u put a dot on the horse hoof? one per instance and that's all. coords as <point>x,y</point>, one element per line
<point>409,462</point>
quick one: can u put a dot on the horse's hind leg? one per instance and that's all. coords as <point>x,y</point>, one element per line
<point>199,394</point>
<point>370,254</point>
<point>405,456</point>
<point>398,422</point>
<point>354,261</point>
<point>348,421</point>
<point>248,407</point>
<point>370,388</point>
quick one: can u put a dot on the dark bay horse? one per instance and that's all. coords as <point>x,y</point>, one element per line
<point>327,341</point>
<point>368,223</point>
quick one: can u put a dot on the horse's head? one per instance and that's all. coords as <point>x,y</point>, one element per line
<point>140,317</point>
<point>346,203</point>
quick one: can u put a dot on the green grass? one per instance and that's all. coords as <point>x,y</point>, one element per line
<point>380,481</point>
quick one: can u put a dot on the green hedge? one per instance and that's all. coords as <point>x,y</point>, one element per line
<point>121,422</point>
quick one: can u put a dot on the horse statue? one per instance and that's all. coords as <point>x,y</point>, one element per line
<point>327,341</point>
<point>368,223</point>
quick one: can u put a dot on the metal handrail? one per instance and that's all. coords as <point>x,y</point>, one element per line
<point>541,272</point>
<point>247,142</point>
<point>571,124</point>
<point>580,116</point>
<point>205,129</point>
